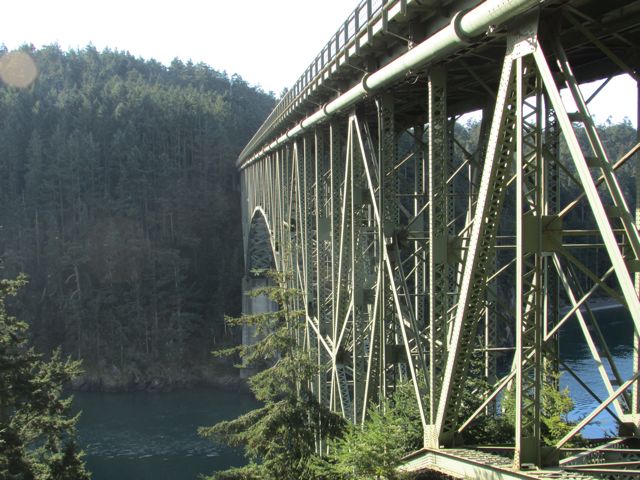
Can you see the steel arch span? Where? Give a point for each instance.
(428, 257)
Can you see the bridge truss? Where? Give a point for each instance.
(441, 256)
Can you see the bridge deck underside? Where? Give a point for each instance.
(472, 69)
(447, 258)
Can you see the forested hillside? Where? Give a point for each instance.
(119, 199)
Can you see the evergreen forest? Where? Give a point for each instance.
(119, 200)
(120, 220)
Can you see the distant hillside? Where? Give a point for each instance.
(119, 200)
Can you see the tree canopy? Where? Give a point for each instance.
(37, 433)
(119, 199)
(279, 438)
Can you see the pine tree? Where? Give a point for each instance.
(279, 438)
(373, 450)
(37, 434)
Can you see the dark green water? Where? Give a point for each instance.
(152, 436)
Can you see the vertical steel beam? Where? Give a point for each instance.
(389, 218)
(551, 205)
(299, 270)
(439, 214)
(373, 270)
(528, 153)
(322, 259)
(344, 295)
(308, 284)
(635, 408)
(336, 174)
(419, 226)
(360, 256)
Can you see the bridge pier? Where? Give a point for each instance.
(254, 305)
(259, 258)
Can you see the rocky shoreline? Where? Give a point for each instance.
(113, 379)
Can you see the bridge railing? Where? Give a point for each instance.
(360, 20)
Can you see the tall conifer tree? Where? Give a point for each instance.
(37, 433)
(280, 437)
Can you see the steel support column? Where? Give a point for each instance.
(441, 275)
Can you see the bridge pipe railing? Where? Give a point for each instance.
(464, 27)
(357, 22)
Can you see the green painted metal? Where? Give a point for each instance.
(422, 258)
(463, 27)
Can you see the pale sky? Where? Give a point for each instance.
(268, 42)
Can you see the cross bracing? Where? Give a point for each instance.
(421, 255)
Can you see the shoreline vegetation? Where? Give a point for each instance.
(120, 203)
(112, 379)
(115, 380)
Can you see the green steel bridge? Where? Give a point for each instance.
(419, 253)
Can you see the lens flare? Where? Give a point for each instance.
(18, 69)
